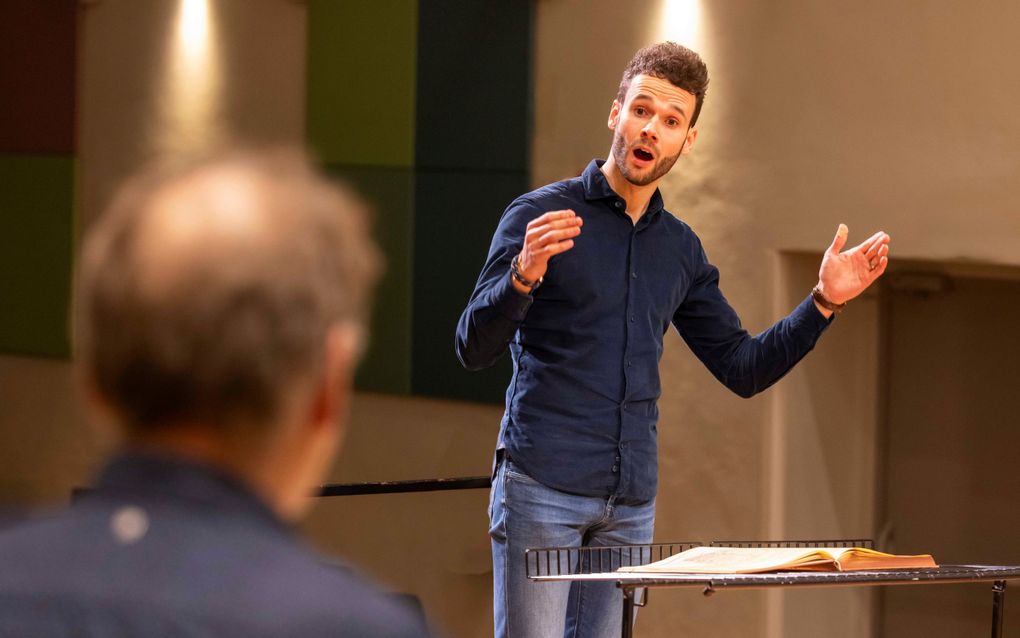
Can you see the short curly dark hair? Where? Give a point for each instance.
(673, 62)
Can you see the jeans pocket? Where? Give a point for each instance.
(496, 478)
(514, 473)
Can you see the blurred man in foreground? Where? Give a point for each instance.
(221, 309)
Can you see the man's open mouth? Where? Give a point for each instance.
(643, 155)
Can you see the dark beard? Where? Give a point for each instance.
(660, 168)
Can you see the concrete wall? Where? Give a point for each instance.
(433, 545)
(46, 447)
(883, 116)
(131, 79)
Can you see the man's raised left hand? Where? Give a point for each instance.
(844, 275)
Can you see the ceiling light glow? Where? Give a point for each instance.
(680, 21)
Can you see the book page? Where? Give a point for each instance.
(749, 560)
(721, 560)
(853, 558)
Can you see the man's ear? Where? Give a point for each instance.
(614, 115)
(101, 414)
(692, 134)
(332, 395)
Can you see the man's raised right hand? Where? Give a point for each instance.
(547, 235)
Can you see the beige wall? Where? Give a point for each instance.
(434, 545)
(951, 440)
(45, 446)
(251, 88)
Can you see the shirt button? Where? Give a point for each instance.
(616, 468)
(632, 318)
(617, 203)
(129, 524)
(633, 275)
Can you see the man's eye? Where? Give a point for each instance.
(672, 122)
(640, 110)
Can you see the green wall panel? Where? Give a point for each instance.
(457, 213)
(36, 229)
(386, 366)
(474, 85)
(472, 160)
(425, 108)
(361, 81)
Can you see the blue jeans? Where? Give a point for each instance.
(525, 514)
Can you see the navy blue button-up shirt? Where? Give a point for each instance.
(581, 407)
(169, 547)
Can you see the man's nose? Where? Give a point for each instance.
(650, 132)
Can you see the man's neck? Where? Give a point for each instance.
(637, 197)
(195, 443)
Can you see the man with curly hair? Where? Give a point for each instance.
(582, 280)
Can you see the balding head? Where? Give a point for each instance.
(207, 292)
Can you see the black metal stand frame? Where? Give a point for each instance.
(403, 487)
(600, 563)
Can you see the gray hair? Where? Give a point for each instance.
(207, 291)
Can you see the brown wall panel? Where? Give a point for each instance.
(37, 76)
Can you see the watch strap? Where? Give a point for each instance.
(515, 271)
(824, 302)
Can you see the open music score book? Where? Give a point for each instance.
(752, 560)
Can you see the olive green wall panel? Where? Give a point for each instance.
(425, 108)
(361, 81)
(386, 366)
(36, 229)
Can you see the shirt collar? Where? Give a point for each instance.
(135, 473)
(596, 187)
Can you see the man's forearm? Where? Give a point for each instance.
(489, 323)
